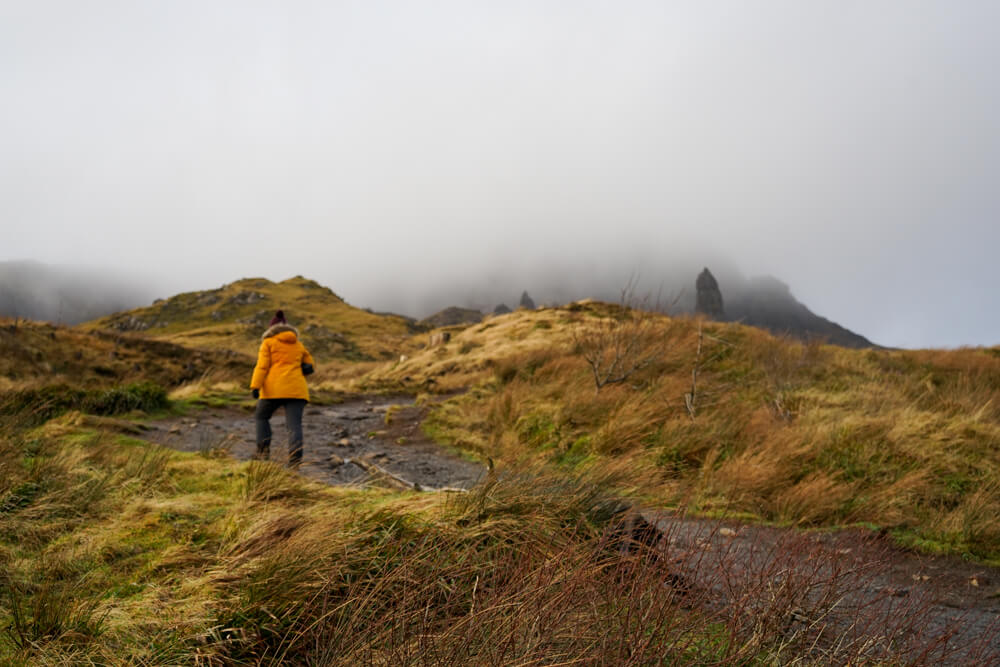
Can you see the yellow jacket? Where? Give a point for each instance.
(278, 373)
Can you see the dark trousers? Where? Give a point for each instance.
(293, 422)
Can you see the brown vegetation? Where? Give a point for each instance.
(38, 353)
(803, 434)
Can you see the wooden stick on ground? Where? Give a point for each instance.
(395, 480)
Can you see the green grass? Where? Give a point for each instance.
(38, 405)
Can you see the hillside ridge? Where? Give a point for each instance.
(234, 315)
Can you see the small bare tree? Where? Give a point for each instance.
(702, 394)
(625, 342)
(691, 398)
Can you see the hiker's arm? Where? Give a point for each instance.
(262, 367)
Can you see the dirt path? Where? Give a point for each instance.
(853, 584)
(342, 442)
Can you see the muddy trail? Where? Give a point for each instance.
(374, 440)
(832, 592)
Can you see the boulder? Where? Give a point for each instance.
(439, 338)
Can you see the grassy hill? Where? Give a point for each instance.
(721, 418)
(801, 434)
(235, 315)
(114, 550)
(33, 354)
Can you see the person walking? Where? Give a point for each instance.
(279, 382)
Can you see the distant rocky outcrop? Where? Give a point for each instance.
(452, 316)
(502, 309)
(527, 301)
(768, 303)
(708, 299)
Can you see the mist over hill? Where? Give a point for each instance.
(71, 295)
(761, 301)
(67, 294)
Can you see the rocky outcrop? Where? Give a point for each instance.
(246, 298)
(439, 338)
(501, 309)
(452, 316)
(130, 323)
(708, 300)
(768, 303)
(526, 301)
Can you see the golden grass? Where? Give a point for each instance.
(474, 351)
(115, 551)
(39, 353)
(805, 434)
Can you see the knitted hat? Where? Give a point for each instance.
(279, 318)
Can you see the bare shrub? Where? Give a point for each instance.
(624, 342)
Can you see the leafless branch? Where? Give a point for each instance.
(619, 346)
(691, 398)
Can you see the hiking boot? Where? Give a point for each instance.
(263, 453)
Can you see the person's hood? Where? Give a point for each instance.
(282, 329)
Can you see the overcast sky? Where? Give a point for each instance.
(850, 148)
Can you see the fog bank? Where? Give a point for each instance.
(411, 155)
